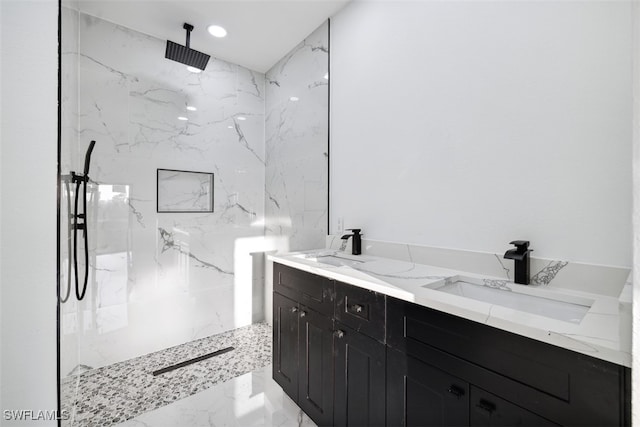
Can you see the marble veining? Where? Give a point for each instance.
(158, 279)
(544, 272)
(498, 284)
(136, 213)
(296, 143)
(115, 393)
(168, 243)
(603, 331)
(507, 271)
(250, 400)
(548, 273)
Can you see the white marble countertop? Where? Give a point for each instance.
(604, 331)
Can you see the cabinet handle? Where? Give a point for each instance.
(357, 308)
(339, 333)
(487, 406)
(303, 313)
(294, 309)
(456, 391)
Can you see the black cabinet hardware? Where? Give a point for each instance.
(486, 406)
(456, 391)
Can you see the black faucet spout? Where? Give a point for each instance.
(515, 255)
(521, 257)
(356, 241)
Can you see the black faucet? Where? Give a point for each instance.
(356, 242)
(521, 257)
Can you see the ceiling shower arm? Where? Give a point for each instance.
(189, 28)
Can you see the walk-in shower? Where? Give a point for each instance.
(154, 278)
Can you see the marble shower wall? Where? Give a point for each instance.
(161, 279)
(297, 111)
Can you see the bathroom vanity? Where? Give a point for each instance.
(366, 341)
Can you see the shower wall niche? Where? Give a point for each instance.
(157, 279)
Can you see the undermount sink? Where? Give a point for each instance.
(561, 307)
(334, 259)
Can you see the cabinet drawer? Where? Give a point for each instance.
(561, 385)
(361, 309)
(314, 291)
(487, 409)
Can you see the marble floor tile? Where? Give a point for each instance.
(250, 400)
(115, 393)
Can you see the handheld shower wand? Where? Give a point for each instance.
(87, 159)
(79, 223)
(82, 179)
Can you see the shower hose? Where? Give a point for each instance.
(78, 180)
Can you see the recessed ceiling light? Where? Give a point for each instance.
(230, 127)
(216, 31)
(194, 69)
(182, 118)
(242, 118)
(294, 99)
(191, 108)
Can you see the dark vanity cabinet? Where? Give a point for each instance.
(335, 373)
(504, 379)
(352, 357)
(359, 357)
(303, 341)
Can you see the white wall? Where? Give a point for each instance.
(469, 124)
(28, 191)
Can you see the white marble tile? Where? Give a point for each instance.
(160, 279)
(296, 130)
(252, 399)
(124, 390)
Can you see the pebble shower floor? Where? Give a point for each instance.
(113, 394)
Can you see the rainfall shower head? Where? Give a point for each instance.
(184, 54)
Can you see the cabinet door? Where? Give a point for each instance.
(285, 344)
(490, 410)
(421, 395)
(359, 379)
(315, 394)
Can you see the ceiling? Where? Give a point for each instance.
(260, 32)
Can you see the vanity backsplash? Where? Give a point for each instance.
(604, 280)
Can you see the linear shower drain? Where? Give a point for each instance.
(190, 361)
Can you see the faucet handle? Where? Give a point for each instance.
(521, 245)
(355, 230)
